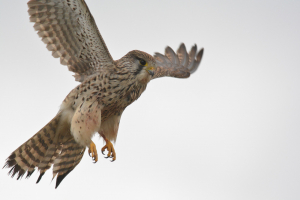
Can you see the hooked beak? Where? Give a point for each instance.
(150, 70)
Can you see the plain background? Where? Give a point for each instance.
(230, 131)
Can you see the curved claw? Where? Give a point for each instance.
(93, 152)
(110, 148)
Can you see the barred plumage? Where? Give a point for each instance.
(180, 65)
(107, 88)
(43, 150)
(70, 32)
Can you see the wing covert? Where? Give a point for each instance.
(70, 32)
(179, 65)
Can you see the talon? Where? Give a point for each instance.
(93, 152)
(110, 148)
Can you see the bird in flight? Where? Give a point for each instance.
(107, 87)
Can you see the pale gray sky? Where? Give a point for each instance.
(230, 131)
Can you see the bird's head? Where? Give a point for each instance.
(140, 64)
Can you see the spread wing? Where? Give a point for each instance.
(70, 32)
(179, 65)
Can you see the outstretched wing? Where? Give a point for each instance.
(179, 65)
(70, 32)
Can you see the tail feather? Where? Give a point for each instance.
(69, 158)
(52, 152)
(52, 145)
(29, 154)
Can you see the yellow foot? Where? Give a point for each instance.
(93, 151)
(111, 151)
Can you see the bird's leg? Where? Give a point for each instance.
(110, 148)
(93, 151)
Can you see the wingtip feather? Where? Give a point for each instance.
(197, 61)
(169, 52)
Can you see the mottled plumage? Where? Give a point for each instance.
(107, 88)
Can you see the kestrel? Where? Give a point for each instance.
(107, 87)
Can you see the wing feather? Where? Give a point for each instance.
(179, 65)
(192, 54)
(182, 55)
(172, 55)
(197, 61)
(70, 32)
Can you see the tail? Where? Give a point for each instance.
(52, 145)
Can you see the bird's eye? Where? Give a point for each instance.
(143, 62)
